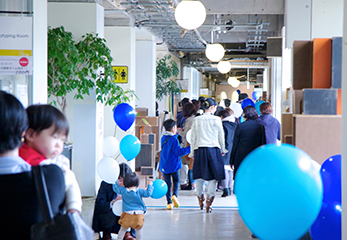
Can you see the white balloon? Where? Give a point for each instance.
(108, 170)
(111, 146)
(189, 136)
(117, 208)
(236, 107)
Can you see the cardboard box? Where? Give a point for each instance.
(143, 112)
(318, 135)
(302, 64)
(286, 126)
(321, 63)
(152, 121)
(320, 101)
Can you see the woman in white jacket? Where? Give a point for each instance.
(207, 147)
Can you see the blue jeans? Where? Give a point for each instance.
(176, 182)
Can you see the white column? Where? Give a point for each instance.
(39, 93)
(344, 126)
(145, 70)
(85, 116)
(276, 86)
(122, 42)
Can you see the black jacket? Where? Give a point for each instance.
(19, 205)
(248, 136)
(229, 130)
(103, 218)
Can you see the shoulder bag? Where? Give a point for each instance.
(69, 226)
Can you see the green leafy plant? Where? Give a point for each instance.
(80, 67)
(166, 68)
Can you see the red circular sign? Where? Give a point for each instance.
(23, 62)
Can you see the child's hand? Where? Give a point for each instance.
(150, 181)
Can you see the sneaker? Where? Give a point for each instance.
(175, 201)
(169, 207)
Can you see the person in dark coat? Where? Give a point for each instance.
(248, 136)
(271, 124)
(229, 127)
(104, 219)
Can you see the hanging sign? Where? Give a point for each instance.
(121, 74)
(16, 46)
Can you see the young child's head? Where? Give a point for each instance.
(123, 169)
(170, 126)
(48, 129)
(13, 122)
(131, 179)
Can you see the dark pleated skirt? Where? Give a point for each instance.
(208, 164)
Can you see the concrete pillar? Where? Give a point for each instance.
(122, 42)
(85, 116)
(344, 126)
(145, 70)
(276, 86)
(39, 88)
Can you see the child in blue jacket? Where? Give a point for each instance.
(133, 206)
(170, 161)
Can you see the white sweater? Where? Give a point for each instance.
(207, 131)
(73, 199)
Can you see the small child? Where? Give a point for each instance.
(44, 143)
(170, 161)
(133, 205)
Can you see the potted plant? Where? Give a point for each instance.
(165, 86)
(80, 67)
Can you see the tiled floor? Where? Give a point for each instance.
(188, 221)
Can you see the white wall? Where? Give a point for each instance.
(327, 18)
(84, 116)
(145, 70)
(40, 52)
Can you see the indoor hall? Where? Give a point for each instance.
(275, 48)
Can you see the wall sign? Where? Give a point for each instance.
(16, 46)
(121, 74)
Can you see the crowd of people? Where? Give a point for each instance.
(219, 142)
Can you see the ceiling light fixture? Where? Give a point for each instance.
(214, 52)
(233, 82)
(190, 14)
(224, 67)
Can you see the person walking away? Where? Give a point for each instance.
(248, 136)
(207, 147)
(272, 125)
(229, 127)
(170, 161)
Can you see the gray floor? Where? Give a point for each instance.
(188, 221)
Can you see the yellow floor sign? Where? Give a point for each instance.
(121, 74)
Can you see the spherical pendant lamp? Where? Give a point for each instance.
(224, 67)
(233, 82)
(214, 52)
(190, 14)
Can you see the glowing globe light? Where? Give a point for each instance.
(214, 52)
(190, 14)
(224, 67)
(233, 82)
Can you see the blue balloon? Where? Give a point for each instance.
(159, 188)
(247, 102)
(331, 177)
(279, 192)
(255, 95)
(328, 222)
(129, 147)
(257, 106)
(124, 115)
